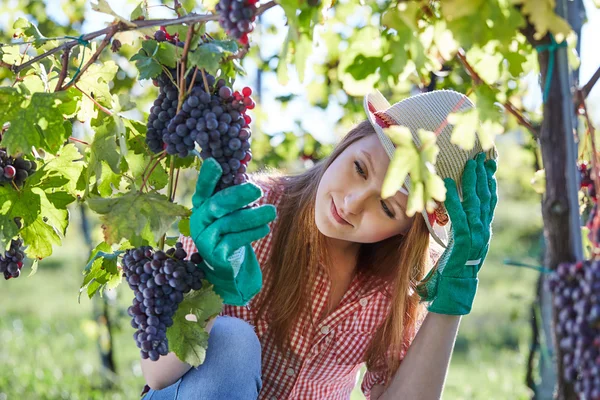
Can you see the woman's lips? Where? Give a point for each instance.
(337, 216)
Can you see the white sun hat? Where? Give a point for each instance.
(428, 111)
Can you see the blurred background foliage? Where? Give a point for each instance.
(50, 341)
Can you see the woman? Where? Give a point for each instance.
(338, 279)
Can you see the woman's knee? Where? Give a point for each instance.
(234, 337)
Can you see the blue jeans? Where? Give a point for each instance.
(231, 370)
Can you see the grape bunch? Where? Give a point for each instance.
(12, 260)
(237, 17)
(15, 169)
(162, 111)
(576, 296)
(586, 180)
(159, 280)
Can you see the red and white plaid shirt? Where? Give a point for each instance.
(327, 359)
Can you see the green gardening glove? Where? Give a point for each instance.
(452, 286)
(223, 231)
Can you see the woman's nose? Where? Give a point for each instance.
(354, 202)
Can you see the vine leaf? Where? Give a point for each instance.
(425, 185)
(188, 339)
(101, 271)
(154, 215)
(209, 55)
(39, 238)
(68, 164)
(103, 7)
(150, 57)
(24, 204)
(37, 120)
(96, 80)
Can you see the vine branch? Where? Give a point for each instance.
(93, 58)
(64, 69)
(587, 88)
(460, 54)
(133, 25)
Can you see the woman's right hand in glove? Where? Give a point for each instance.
(223, 231)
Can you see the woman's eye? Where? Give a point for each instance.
(387, 210)
(360, 171)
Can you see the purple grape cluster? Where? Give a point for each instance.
(237, 17)
(12, 260)
(576, 290)
(163, 110)
(16, 170)
(159, 280)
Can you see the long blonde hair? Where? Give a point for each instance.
(298, 246)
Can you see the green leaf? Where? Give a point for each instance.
(103, 7)
(11, 100)
(417, 162)
(303, 49)
(145, 60)
(56, 217)
(96, 80)
(140, 11)
(184, 227)
(152, 211)
(101, 270)
(24, 204)
(68, 164)
(166, 54)
(103, 148)
(39, 123)
(188, 339)
(363, 66)
(39, 238)
(209, 55)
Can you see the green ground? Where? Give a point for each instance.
(48, 347)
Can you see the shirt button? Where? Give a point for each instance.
(290, 372)
(325, 330)
(363, 302)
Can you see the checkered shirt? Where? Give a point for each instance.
(326, 360)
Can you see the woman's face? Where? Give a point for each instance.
(349, 206)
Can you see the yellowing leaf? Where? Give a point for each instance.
(103, 7)
(465, 128)
(541, 14)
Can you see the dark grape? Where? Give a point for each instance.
(15, 170)
(160, 36)
(237, 18)
(12, 260)
(573, 286)
(159, 281)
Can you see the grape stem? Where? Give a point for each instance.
(78, 141)
(129, 26)
(182, 65)
(150, 172)
(15, 186)
(206, 88)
